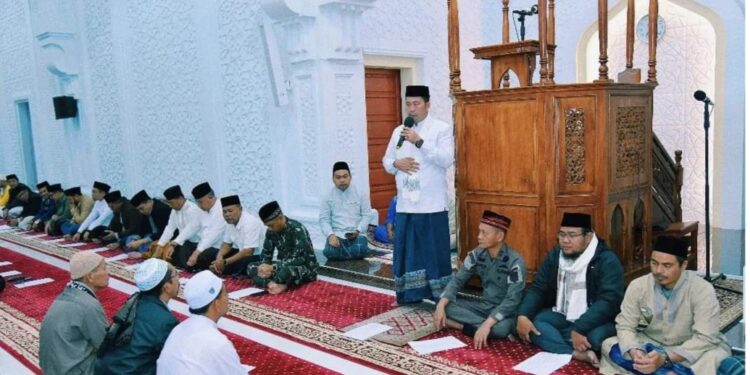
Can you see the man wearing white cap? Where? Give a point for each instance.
(158, 282)
(75, 324)
(196, 346)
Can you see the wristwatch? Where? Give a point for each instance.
(419, 143)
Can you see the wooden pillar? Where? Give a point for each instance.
(551, 38)
(543, 54)
(630, 35)
(603, 28)
(453, 47)
(653, 16)
(506, 38)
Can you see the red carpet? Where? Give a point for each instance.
(33, 303)
(313, 314)
(501, 356)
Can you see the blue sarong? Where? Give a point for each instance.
(627, 364)
(421, 256)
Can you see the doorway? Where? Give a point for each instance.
(383, 106)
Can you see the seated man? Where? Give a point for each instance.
(126, 221)
(62, 210)
(295, 258)
(344, 215)
(576, 294)
(156, 213)
(75, 324)
(158, 282)
(4, 193)
(196, 346)
(186, 218)
(385, 232)
(14, 207)
(98, 220)
(47, 209)
(669, 320)
(212, 226)
(31, 203)
(243, 235)
(80, 208)
(503, 275)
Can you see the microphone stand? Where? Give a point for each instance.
(706, 126)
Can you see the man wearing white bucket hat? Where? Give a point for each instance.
(196, 346)
(157, 282)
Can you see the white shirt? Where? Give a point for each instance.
(249, 233)
(212, 227)
(100, 215)
(196, 346)
(188, 220)
(425, 191)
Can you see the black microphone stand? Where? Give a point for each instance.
(706, 126)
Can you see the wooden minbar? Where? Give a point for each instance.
(536, 151)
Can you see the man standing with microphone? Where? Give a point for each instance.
(419, 154)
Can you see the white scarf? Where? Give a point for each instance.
(571, 283)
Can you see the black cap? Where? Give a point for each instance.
(54, 188)
(201, 190)
(173, 192)
(11, 177)
(73, 191)
(101, 186)
(139, 198)
(576, 220)
(230, 200)
(340, 165)
(422, 91)
(43, 184)
(113, 196)
(671, 245)
(269, 211)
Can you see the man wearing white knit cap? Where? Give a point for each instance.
(158, 282)
(196, 346)
(75, 324)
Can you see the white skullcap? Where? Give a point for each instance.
(202, 289)
(150, 273)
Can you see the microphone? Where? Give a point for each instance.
(408, 123)
(701, 97)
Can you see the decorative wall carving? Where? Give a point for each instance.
(575, 147)
(309, 124)
(104, 104)
(631, 140)
(247, 144)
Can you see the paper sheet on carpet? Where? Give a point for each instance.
(34, 235)
(54, 241)
(34, 282)
(436, 345)
(9, 273)
(99, 249)
(5, 264)
(248, 368)
(244, 293)
(367, 331)
(116, 257)
(543, 363)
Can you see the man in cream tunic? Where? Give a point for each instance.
(669, 320)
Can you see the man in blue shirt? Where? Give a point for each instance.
(344, 216)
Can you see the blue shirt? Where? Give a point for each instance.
(343, 212)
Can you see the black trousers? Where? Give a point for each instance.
(182, 253)
(236, 268)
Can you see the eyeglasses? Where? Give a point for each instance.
(568, 235)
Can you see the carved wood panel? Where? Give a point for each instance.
(631, 144)
(575, 147)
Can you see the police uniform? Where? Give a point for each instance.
(502, 290)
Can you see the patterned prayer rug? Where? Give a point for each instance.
(22, 310)
(410, 323)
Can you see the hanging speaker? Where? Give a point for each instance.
(65, 107)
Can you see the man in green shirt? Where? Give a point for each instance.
(295, 258)
(61, 213)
